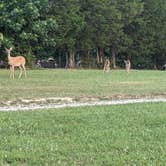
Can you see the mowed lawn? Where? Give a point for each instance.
(81, 83)
(105, 135)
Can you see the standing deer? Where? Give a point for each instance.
(18, 61)
(107, 65)
(127, 65)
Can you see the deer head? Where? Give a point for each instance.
(8, 51)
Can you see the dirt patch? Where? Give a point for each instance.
(82, 99)
(58, 102)
(37, 101)
(32, 107)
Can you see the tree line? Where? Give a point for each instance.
(85, 31)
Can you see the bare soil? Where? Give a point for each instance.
(61, 102)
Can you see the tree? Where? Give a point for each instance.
(70, 22)
(26, 25)
(121, 37)
(90, 29)
(153, 31)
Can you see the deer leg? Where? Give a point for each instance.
(23, 66)
(12, 72)
(20, 72)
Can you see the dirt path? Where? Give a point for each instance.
(39, 104)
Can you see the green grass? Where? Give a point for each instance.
(107, 135)
(78, 83)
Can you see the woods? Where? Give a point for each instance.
(89, 31)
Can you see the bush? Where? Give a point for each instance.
(30, 58)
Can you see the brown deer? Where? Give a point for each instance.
(127, 65)
(107, 65)
(18, 61)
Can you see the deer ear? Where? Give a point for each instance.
(11, 48)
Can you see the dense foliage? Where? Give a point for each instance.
(73, 31)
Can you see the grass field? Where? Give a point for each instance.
(80, 83)
(109, 135)
(101, 135)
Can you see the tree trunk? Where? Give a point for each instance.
(59, 59)
(100, 55)
(155, 62)
(113, 57)
(97, 54)
(71, 59)
(67, 61)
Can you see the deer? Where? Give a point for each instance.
(127, 65)
(107, 65)
(18, 61)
